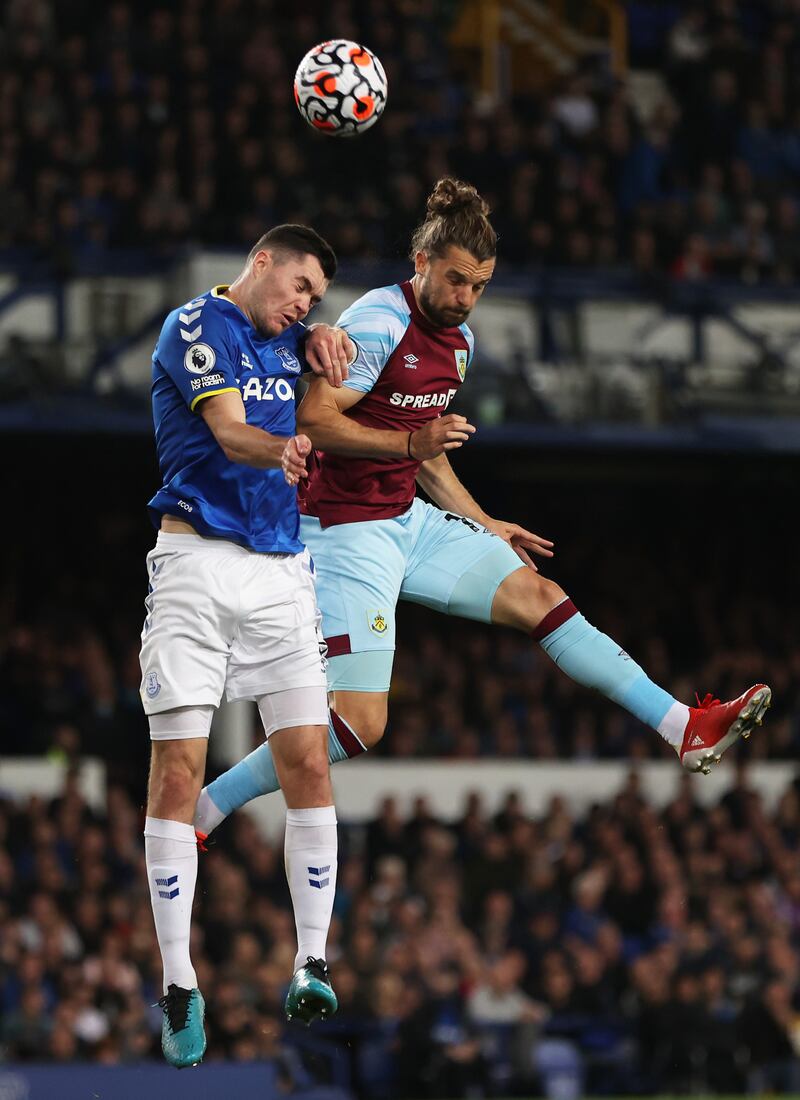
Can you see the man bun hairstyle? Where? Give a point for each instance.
(298, 240)
(456, 215)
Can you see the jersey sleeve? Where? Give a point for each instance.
(196, 351)
(376, 324)
(467, 331)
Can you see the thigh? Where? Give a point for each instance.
(358, 569)
(188, 629)
(456, 566)
(278, 641)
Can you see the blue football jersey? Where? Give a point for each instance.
(207, 347)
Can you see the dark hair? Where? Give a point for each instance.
(456, 215)
(301, 240)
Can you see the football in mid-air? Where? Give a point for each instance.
(340, 88)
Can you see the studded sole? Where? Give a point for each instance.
(751, 714)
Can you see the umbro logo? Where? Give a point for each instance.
(411, 361)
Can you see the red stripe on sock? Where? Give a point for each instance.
(339, 645)
(347, 739)
(554, 619)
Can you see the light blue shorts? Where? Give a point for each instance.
(426, 556)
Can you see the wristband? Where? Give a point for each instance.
(409, 445)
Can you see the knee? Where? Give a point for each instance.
(546, 594)
(175, 780)
(368, 725)
(524, 599)
(312, 768)
(373, 731)
(305, 779)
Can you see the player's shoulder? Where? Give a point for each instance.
(198, 319)
(385, 304)
(467, 333)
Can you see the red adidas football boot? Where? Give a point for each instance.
(714, 726)
(201, 839)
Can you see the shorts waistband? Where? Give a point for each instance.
(166, 539)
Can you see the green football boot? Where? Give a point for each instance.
(183, 1038)
(310, 996)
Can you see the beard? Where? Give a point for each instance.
(442, 318)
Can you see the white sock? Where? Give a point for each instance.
(673, 725)
(171, 855)
(310, 850)
(207, 815)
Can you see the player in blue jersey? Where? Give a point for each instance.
(373, 542)
(231, 604)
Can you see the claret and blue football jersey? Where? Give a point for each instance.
(208, 347)
(409, 371)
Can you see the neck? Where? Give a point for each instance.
(234, 294)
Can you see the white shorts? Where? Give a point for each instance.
(223, 618)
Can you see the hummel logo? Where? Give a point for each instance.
(168, 894)
(695, 741)
(318, 881)
(411, 361)
(246, 364)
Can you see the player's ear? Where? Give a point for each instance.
(262, 261)
(421, 263)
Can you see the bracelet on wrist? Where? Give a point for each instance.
(410, 455)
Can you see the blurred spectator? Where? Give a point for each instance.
(526, 998)
(157, 128)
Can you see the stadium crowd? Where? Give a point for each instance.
(626, 950)
(148, 125)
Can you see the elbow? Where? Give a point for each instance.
(311, 426)
(305, 422)
(228, 446)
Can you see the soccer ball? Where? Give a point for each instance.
(340, 88)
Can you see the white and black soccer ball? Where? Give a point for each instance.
(340, 88)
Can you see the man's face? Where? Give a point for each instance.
(449, 286)
(284, 286)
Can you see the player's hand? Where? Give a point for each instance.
(520, 540)
(293, 459)
(440, 435)
(329, 352)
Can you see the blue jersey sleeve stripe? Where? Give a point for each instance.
(468, 336)
(358, 384)
(362, 337)
(374, 312)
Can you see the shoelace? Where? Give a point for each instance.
(176, 1005)
(707, 703)
(318, 967)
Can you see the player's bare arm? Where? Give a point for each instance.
(438, 479)
(250, 446)
(322, 416)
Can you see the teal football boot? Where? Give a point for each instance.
(310, 996)
(183, 1038)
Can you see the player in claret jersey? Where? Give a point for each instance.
(374, 542)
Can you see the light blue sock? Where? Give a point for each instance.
(596, 661)
(256, 775)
